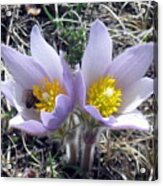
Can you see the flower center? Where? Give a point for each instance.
(104, 95)
(45, 93)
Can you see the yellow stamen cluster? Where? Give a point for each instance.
(104, 95)
(46, 93)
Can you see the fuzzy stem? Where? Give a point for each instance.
(71, 153)
(72, 147)
(88, 147)
(88, 157)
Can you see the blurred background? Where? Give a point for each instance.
(124, 154)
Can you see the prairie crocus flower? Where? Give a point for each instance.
(111, 90)
(41, 89)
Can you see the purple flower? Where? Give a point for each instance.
(41, 89)
(111, 90)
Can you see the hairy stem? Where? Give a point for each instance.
(88, 147)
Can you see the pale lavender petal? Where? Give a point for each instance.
(132, 64)
(29, 114)
(54, 119)
(6, 88)
(136, 93)
(96, 114)
(23, 69)
(14, 92)
(67, 78)
(80, 89)
(98, 53)
(45, 55)
(134, 120)
(31, 127)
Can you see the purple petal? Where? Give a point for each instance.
(136, 93)
(98, 53)
(80, 89)
(96, 114)
(23, 69)
(31, 127)
(134, 120)
(7, 89)
(67, 78)
(45, 55)
(14, 93)
(54, 119)
(29, 114)
(132, 64)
